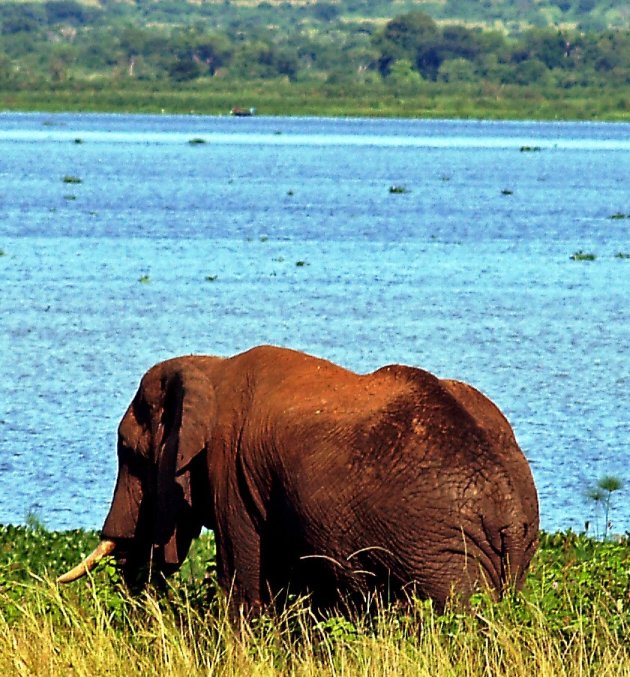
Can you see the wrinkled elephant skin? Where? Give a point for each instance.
(319, 480)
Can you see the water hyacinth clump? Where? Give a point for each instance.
(582, 256)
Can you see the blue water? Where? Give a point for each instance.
(465, 273)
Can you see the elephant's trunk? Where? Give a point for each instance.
(103, 549)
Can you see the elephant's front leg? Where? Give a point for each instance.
(238, 565)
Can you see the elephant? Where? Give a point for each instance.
(320, 481)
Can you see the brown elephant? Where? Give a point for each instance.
(319, 480)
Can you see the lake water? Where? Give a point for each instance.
(124, 243)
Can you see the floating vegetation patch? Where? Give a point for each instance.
(582, 256)
(197, 141)
(398, 189)
(68, 178)
(622, 255)
(69, 197)
(530, 149)
(507, 191)
(144, 279)
(618, 216)
(2, 252)
(301, 264)
(211, 278)
(78, 141)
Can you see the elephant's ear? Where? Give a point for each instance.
(188, 411)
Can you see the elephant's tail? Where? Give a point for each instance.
(513, 546)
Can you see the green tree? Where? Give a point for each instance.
(403, 76)
(183, 68)
(459, 41)
(61, 58)
(198, 53)
(285, 62)
(457, 70)
(18, 18)
(413, 37)
(612, 50)
(69, 12)
(531, 71)
(133, 43)
(326, 11)
(549, 46)
(213, 51)
(6, 70)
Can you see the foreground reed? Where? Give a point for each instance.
(572, 619)
(53, 635)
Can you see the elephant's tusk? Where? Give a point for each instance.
(103, 549)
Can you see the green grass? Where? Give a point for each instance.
(272, 97)
(573, 617)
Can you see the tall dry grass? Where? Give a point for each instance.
(61, 632)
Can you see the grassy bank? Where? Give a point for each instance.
(572, 618)
(432, 100)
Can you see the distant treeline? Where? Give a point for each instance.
(346, 42)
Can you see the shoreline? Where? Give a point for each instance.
(432, 101)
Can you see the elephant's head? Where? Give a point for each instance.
(162, 444)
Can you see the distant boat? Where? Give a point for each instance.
(242, 112)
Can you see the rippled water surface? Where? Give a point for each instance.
(129, 239)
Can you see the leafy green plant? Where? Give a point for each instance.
(398, 189)
(68, 178)
(338, 628)
(197, 141)
(582, 256)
